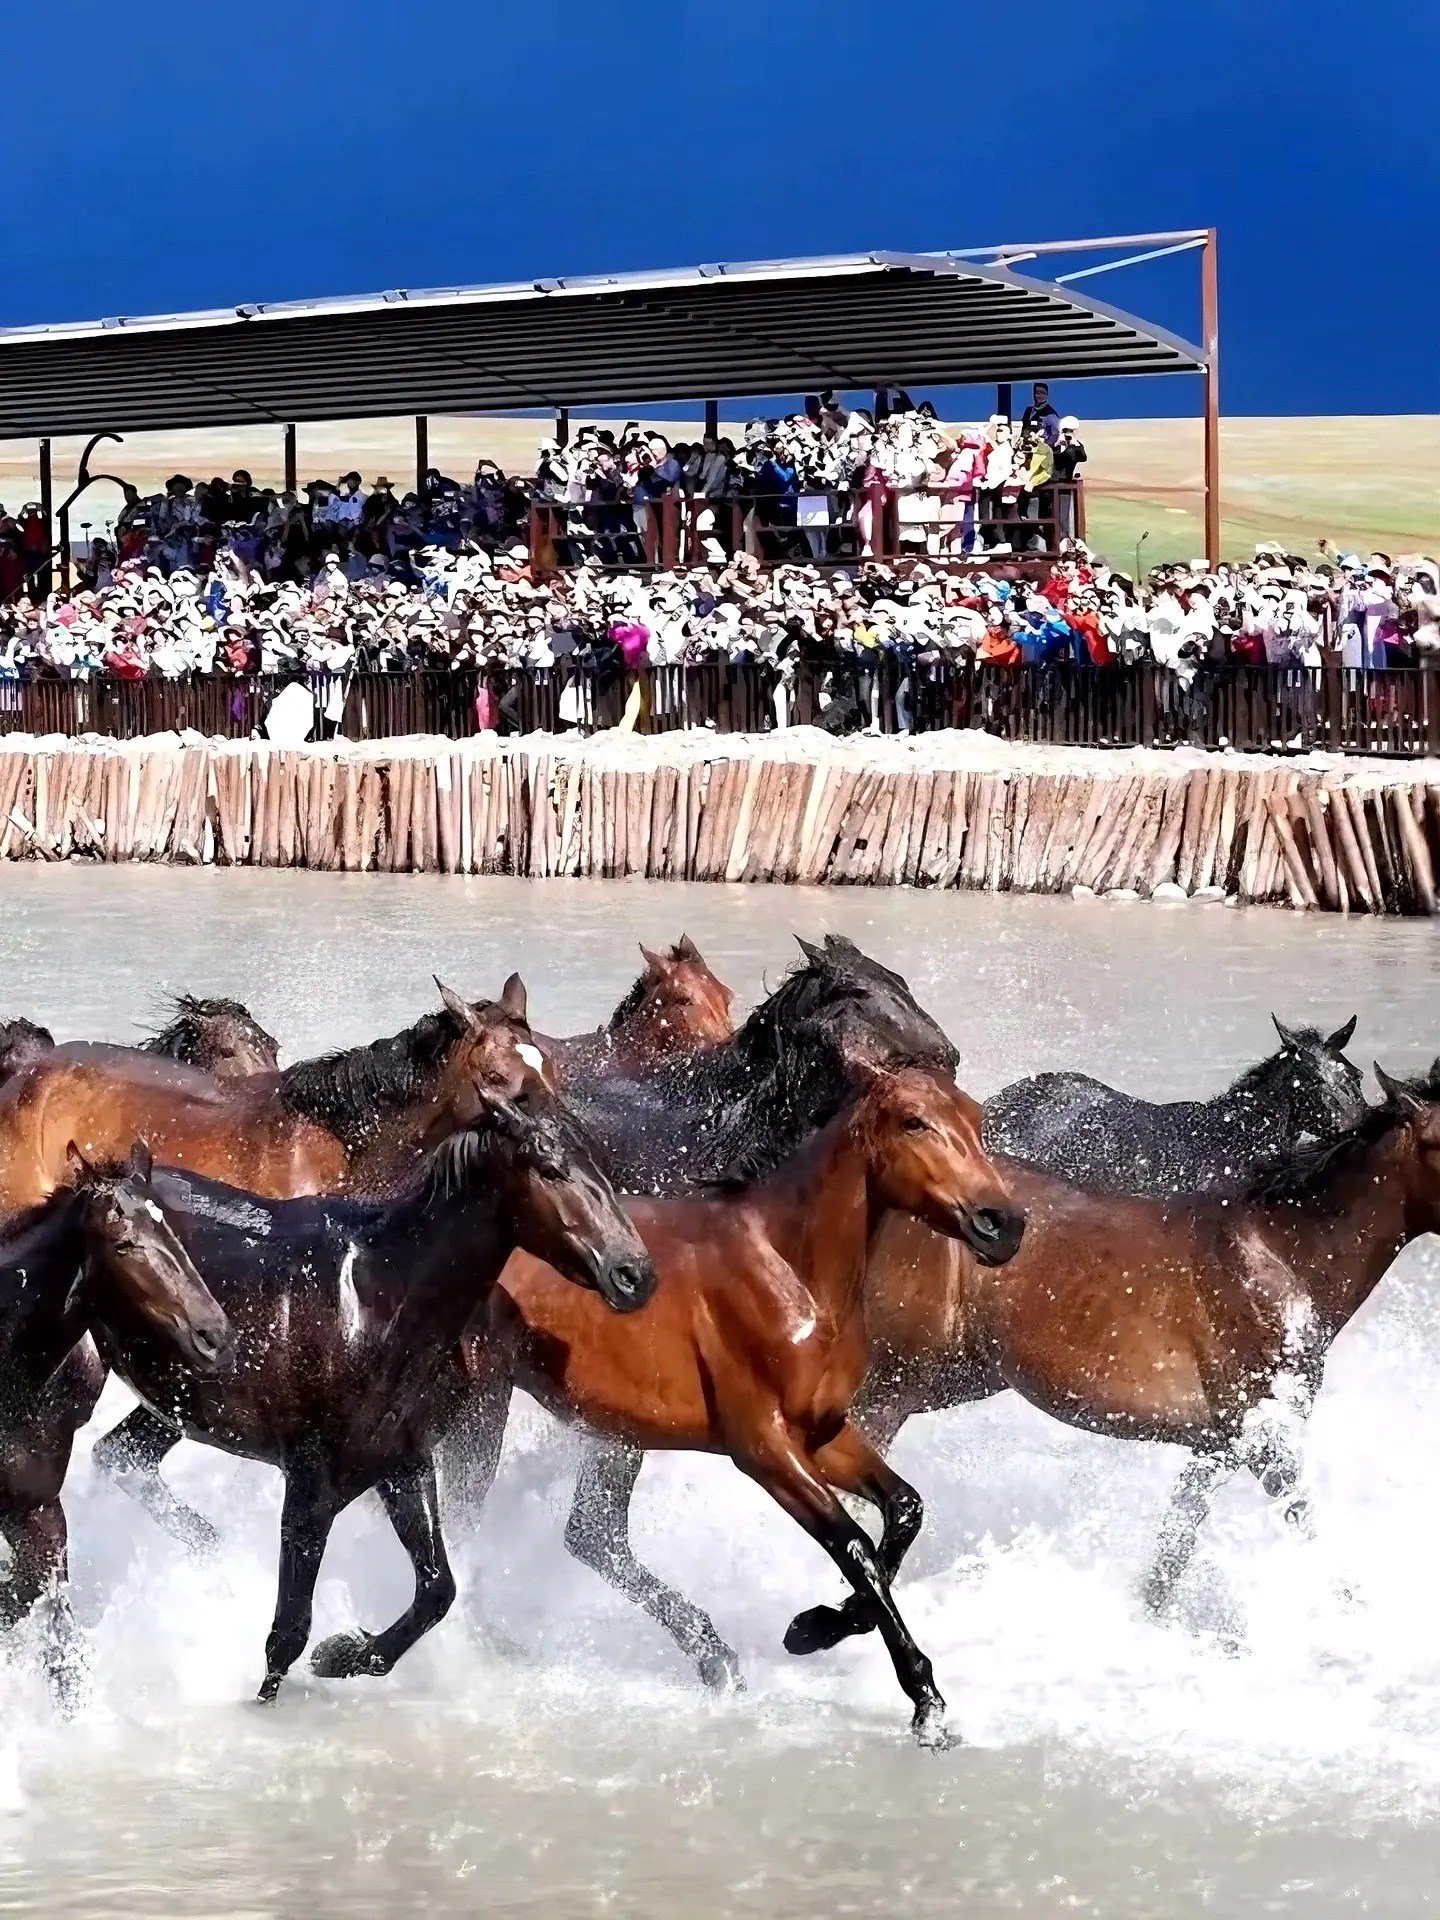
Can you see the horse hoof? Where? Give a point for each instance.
(345, 1656)
(930, 1729)
(816, 1629)
(269, 1690)
(720, 1671)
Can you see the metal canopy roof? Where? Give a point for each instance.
(779, 327)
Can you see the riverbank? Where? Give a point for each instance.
(952, 809)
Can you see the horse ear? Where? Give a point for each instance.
(512, 998)
(79, 1167)
(655, 962)
(1342, 1036)
(457, 1008)
(686, 949)
(815, 955)
(1400, 1095)
(141, 1163)
(1287, 1038)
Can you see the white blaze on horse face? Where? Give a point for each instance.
(349, 1301)
(532, 1056)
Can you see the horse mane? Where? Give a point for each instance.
(757, 1133)
(1307, 1172)
(351, 1091)
(180, 1040)
(630, 1005)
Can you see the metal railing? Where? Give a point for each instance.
(1393, 712)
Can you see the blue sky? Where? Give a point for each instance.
(213, 153)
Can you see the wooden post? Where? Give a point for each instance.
(422, 452)
(291, 470)
(1210, 334)
(44, 579)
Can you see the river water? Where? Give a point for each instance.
(1275, 1751)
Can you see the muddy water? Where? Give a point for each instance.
(544, 1752)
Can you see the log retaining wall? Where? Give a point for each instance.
(955, 809)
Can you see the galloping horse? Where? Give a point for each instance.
(355, 1121)
(221, 1037)
(1201, 1322)
(753, 1346)
(97, 1247)
(675, 1006)
(1087, 1132)
(373, 1299)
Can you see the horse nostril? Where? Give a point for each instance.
(631, 1283)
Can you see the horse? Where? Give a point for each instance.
(676, 1005)
(97, 1246)
(354, 1121)
(1092, 1134)
(753, 1346)
(738, 1107)
(1197, 1321)
(373, 1297)
(221, 1037)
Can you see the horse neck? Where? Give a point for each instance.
(40, 1318)
(450, 1253)
(821, 1213)
(1251, 1107)
(1346, 1250)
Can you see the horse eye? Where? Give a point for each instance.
(914, 1123)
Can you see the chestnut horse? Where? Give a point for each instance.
(98, 1247)
(675, 1006)
(221, 1037)
(355, 1121)
(373, 1299)
(754, 1346)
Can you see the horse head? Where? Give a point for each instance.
(1415, 1105)
(135, 1261)
(494, 1055)
(863, 1010)
(21, 1041)
(922, 1139)
(1323, 1089)
(679, 998)
(221, 1037)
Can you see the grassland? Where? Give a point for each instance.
(1364, 482)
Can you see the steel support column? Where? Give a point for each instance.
(562, 426)
(1005, 401)
(712, 419)
(1210, 340)
(422, 452)
(291, 470)
(44, 578)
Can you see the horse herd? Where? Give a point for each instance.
(346, 1267)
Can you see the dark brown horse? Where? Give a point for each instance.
(675, 1006)
(99, 1247)
(347, 1122)
(754, 1346)
(221, 1037)
(373, 1299)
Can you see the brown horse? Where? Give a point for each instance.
(98, 1247)
(753, 1346)
(221, 1037)
(352, 1122)
(675, 1006)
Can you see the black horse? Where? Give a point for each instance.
(373, 1299)
(737, 1109)
(1096, 1137)
(99, 1248)
(221, 1037)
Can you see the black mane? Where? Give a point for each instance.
(352, 1091)
(182, 1039)
(1305, 1174)
(630, 1004)
(1305, 1039)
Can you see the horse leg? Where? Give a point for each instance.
(38, 1540)
(793, 1480)
(852, 1465)
(412, 1501)
(311, 1504)
(130, 1455)
(598, 1534)
(470, 1452)
(1190, 1502)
